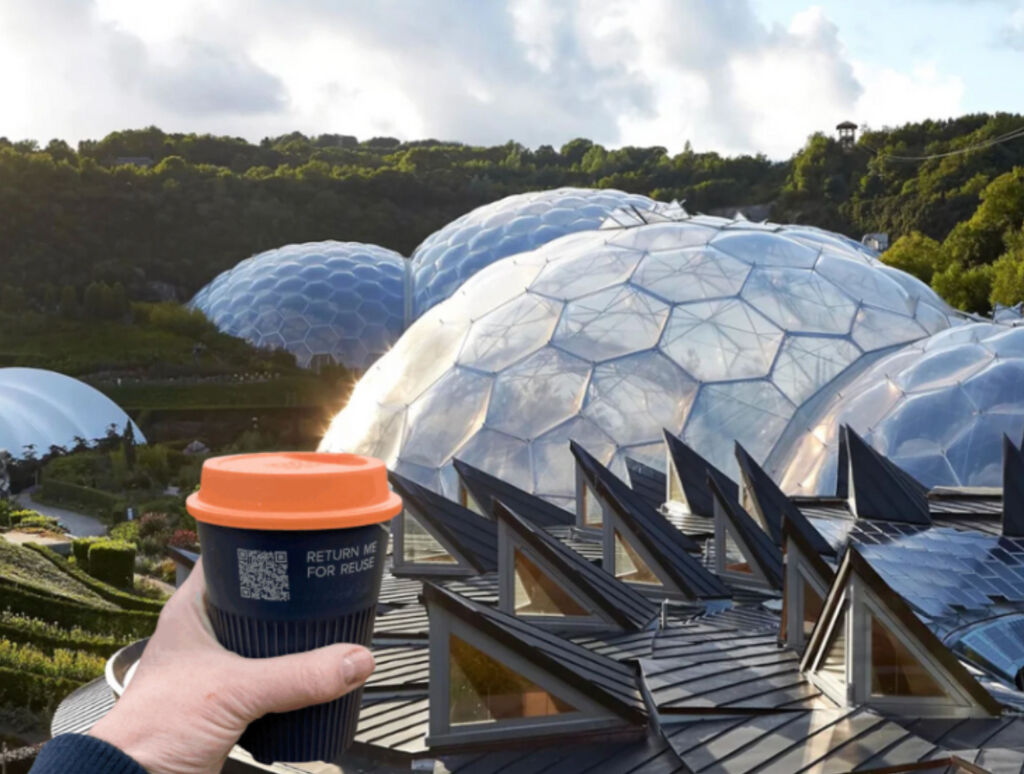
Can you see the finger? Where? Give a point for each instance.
(285, 683)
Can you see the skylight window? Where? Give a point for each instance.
(483, 690)
(630, 566)
(593, 513)
(466, 500)
(735, 560)
(537, 593)
(895, 671)
(419, 546)
(675, 486)
(812, 606)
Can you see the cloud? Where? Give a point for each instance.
(645, 72)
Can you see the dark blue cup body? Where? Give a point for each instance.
(272, 593)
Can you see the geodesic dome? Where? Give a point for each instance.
(345, 300)
(43, 408)
(508, 226)
(938, 408)
(715, 329)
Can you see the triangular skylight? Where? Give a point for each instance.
(630, 567)
(421, 547)
(891, 659)
(895, 671)
(483, 690)
(544, 580)
(466, 500)
(538, 593)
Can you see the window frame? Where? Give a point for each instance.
(508, 543)
(460, 568)
(590, 716)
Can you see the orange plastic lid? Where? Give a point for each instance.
(293, 491)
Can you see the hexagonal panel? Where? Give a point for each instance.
(510, 332)
(630, 397)
(723, 339)
(799, 300)
(538, 393)
(610, 323)
(690, 274)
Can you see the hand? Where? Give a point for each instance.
(191, 699)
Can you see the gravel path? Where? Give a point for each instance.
(79, 524)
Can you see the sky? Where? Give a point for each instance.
(733, 76)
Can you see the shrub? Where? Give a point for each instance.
(113, 562)
(80, 550)
(48, 636)
(153, 524)
(37, 521)
(184, 538)
(153, 460)
(104, 590)
(95, 502)
(126, 530)
(120, 623)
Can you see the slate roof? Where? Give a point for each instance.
(484, 487)
(652, 755)
(608, 682)
(400, 668)
(693, 471)
(810, 740)
(648, 482)
(475, 537)
(879, 489)
(659, 537)
(762, 551)
(618, 601)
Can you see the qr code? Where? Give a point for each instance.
(263, 575)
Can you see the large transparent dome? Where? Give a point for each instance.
(345, 300)
(937, 408)
(511, 225)
(715, 329)
(43, 408)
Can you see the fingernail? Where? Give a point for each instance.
(357, 666)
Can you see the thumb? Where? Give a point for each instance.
(285, 683)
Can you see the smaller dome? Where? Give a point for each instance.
(938, 408)
(508, 226)
(343, 300)
(44, 408)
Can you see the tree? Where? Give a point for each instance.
(968, 288)
(917, 254)
(1008, 272)
(92, 301)
(68, 302)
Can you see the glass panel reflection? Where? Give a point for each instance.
(735, 561)
(895, 671)
(593, 514)
(630, 566)
(419, 546)
(482, 690)
(834, 663)
(537, 593)
(812, 607)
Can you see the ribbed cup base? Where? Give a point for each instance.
(318, 733)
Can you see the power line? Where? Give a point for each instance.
(1015, 134)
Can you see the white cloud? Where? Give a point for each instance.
(644, 72)
(892, 97)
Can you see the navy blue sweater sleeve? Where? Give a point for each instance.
(80, 754)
